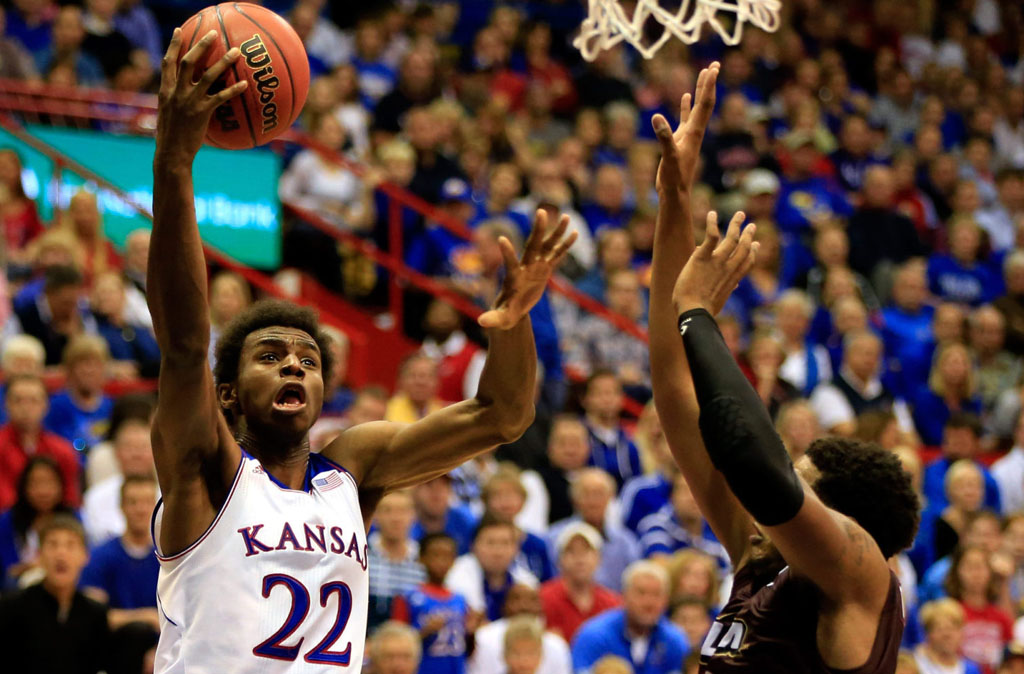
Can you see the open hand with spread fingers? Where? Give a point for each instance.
(185, 105)
(716, 267)
(681, 148)
(527, 277)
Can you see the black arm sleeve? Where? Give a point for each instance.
(736, 427)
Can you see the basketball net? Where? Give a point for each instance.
(607, 24)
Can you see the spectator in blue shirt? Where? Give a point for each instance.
(132, 346)
(807, 199)
(122, 572)
(503, 187)
(907, 324)
(376, 78)
(639, 632)
(608, 205)
(592, 491)
(647, 493)
(679, 525)
(950, 388)
(504, 495)
(485, 575)
(614, 253)
(66, 48)
(961, 439)
(440, 615)
(961, 275)
(435, 513)
(80, 412)
(854, 155)
(611, 448)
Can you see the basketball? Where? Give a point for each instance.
(273, 61)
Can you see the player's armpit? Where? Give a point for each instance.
(834, 552)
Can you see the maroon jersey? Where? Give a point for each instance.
(770, 628)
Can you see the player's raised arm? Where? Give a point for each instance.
(835, 552)
(385, 456)
(670, 374)
(188, 429)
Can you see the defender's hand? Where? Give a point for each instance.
(185, 106)
(526, 278)
(681, 148)
(716, 267)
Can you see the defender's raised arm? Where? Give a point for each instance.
(670, 375)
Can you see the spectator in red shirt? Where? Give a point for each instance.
(17, 212)
(985, 598)
(23, 437)
(459, 361)
(573, 597)
(85, 222)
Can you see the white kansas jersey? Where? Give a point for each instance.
(276, 585)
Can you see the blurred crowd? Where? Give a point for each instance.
(879, 147)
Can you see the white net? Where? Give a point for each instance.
(607, 24)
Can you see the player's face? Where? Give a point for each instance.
(280, 384)
(522, 656)
(645, 600)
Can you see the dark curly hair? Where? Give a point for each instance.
(867, 483)
(265, 314)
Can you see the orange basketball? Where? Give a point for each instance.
(273, 60)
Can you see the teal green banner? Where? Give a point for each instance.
(236, 191)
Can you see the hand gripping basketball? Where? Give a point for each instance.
(185, 105)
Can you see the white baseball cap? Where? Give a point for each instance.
(582, 529)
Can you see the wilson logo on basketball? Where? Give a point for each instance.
(258, 59)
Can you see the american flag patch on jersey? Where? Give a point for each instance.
(328, 482)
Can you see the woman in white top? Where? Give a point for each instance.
(317, 183)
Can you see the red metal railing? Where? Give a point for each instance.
(61, 162)
(135, 112)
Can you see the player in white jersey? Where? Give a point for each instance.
(263, 544)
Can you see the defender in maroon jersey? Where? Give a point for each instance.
(813, 592)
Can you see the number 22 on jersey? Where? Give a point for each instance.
(274, 646)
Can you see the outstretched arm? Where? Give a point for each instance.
(189, 432)
(817, 542)
(670, 374)
(384, 456)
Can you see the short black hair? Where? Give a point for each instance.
(965, 420)
(437, 537)
(61, 276)
(130, 407)
(266, 314)
(867, 483)
(490, 520)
